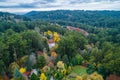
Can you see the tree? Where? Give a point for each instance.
(65, 59)
(79, 39)
(34, 40)
(96, 55)
(41, 62)
(67, 47)
(17, 46)
(34, 77)
(93, 38)
(4, 55)
(17, 73)
(79, 59)
(2, 65)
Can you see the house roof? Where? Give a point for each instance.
(113, 77)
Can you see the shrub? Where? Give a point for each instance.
(46, 69)
(77, 60)
(60, 65)
(91, 68)
(41, 61)
(34, 77)
(78, 78)
(69, 69)
(59, 75)
(22, 70)
(73, 61)
(43, 77)
(84, 77)
(65, 59)
(17, 73)
(96, 76)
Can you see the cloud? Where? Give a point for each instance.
(18, 6)
(28, 5)
(24, 4)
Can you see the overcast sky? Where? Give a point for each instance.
(43, 5)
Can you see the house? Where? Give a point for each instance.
(70, 28)
(51, 43)
(78, 30)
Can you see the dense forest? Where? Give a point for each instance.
(93, 18)
(39, 45)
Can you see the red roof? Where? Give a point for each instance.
(113, 77)
(77, 29)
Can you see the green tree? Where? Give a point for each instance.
(18, 75)
(67, 47)
(79, 39)
(41, 62)
(34, 40)
(96, 55)
(17, 46)
(2, 67)
(34, 77)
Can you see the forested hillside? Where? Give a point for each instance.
(53, 45)
(5, 16)
(93, 18)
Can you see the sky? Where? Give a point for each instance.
(19, 6)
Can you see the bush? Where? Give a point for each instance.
(96, 76)
(102, 71)
(34, 77)
(91, 68)
(17, 73)
(65, 59)
(59, 75)
(1, 66)
(77, 60)
(41, 61)
(73, 61)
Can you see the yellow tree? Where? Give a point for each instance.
(22, 70)
(56, 37)
(49, 32)
(43, 77)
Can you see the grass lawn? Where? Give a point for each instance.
(79, 70)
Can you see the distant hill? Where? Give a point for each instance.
(9, 17)
(93, 18)
(13, 21)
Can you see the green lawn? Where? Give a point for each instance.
(79, 70)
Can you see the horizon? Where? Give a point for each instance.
(24, 6)
(23, 13)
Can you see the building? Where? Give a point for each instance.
(78, 30)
